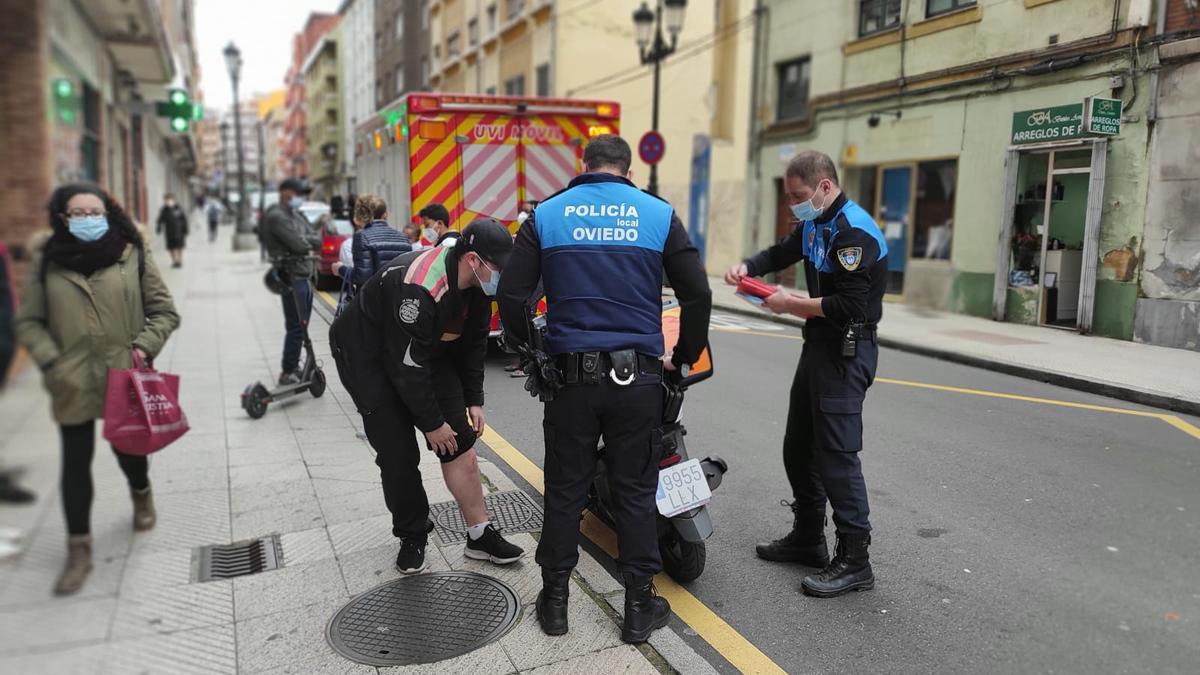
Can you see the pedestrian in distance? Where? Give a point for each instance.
(413, 234)
(173, 220)
(213, 212)
(845, 264)
(410, 352)
(375, 244)
(604, 332)
(10, 491)
(93, 296)
(435, 225)
(290, 243)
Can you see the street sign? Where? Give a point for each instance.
(1056, 123)
(698, 194)
(1102, 115)
(651, 147)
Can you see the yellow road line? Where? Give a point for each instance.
(1184, 426)
(724, 638)
(1018, 397)
(1174, 420)
(329, 299)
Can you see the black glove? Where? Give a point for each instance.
(542, 379)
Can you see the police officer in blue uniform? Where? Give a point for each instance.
(600, 247)
(845, 265)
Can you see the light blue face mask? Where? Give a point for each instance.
(805, 211)
(490, 286)
(87, 228)
(295, 202)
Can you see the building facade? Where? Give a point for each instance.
(402, 44)
(1168, 304)
(324, 137)
(295, 145)
(1002, 147)
(80, 81)
(583, 49)
(357, 74)
(271, 111)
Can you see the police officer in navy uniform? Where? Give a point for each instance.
(845, 265)
(600, 247)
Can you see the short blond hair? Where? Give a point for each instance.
(369, 207)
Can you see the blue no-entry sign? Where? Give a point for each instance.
(652, 147)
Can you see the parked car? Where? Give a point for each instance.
(333, 232)
(313, 212)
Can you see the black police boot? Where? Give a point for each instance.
(644, 610)
(805, 544)
(850, 569)
(552, 601)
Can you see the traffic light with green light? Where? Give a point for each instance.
(178, 107)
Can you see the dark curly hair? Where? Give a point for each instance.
(117, 218)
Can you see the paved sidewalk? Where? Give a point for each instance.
(1156, 376)
(299, 472)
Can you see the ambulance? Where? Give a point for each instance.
(476, 155)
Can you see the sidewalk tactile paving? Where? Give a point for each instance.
(511, 511)
(424, 619)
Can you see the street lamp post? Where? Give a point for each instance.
(224, 126)
(653, 48)
(244, 239)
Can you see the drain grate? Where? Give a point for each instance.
(239, 559)
(511, 511)
(424, 618)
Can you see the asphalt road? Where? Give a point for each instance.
(1010, 536)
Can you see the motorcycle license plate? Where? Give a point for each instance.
(681, 488)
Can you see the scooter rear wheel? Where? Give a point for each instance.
(317, 387)
(683, 560)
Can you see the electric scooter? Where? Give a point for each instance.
(683, 519)
(256, 397)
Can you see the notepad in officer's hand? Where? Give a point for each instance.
(754, 290)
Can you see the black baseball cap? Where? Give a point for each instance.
(488, 238)
(297, 185)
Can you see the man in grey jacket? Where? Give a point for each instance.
(290, 242)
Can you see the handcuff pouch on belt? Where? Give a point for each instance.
(624, 366)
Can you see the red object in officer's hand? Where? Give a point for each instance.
(755, 287)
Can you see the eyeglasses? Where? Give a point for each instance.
(85, 213)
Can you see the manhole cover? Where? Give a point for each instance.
(511, 511)
(424, 618)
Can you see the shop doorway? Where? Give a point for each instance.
(1051, 235)
(895, 214)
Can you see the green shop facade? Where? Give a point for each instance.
(1021, 202)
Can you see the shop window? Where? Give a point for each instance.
(515, 86)
(876, 16)
(934, 221)
(935, 7)
(543, 79)
(89, 145)
(793, 89)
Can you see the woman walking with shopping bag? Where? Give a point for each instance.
(93, 298)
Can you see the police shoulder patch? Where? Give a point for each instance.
(850, 257)
(812, 235)
(410, 309)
